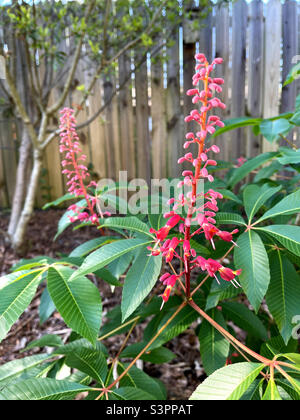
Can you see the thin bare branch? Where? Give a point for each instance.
(117, 89)
(128, 46)
(21, 109)
(73, 68)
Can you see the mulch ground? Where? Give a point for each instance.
(181, 376)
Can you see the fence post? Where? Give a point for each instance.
(239, 24)
(223, 50)
(271, 64)
(255, 76)
(175, 118)
(290, 51)
(127, 139)
(142, 121)
(158, 113)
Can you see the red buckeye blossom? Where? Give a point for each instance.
(202, 214)
(75, 171)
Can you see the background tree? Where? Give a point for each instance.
(101, 31)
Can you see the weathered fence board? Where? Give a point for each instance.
(158, 110)
(272, 55)
(142, 121)
(175, 135)
(290, 51)
(255, 72)
(126, 117)
(97, 132)
(223, 50)
(239, 25)
(142, 129)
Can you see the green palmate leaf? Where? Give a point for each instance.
(287, 235)
(228, 383)
(293, 74)
(200, 249)
(42, 389)
(34, 263)
(130, 394)
(235, 123)
(267, 171)
(48, 340)
(90, 246)
(106, 275)
(295, 383)
(249, 166)
(47, 306)
(250, 255)
(14, 277)
(245, 319)
(289, 392)
(114, 203)
(79, 378)
(255, 197)
(230, 219)
(157, 221)
(214, 348)
(229, 195)
(271, 393)
(64, 222)
(77, 300)
(179, 324)
(254, 392)
(15, 298)
(60, 200)
(15, 369)
(157, 356)
(293, 357)
(120, 266)
(289, 156)
(139, 281)
(91, 362)
(138, 379)
(296, 118)
(219, 292)
(276, 345)
(129, 223)
(283, 294)
(108, 253)
(76, 345)
(289, 205)
(271, 129)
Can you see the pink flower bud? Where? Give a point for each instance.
(192, 92)
(215, 149)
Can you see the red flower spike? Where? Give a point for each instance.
(69, 144)
(205, 214)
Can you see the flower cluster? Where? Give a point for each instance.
(75, 170)
(202, 214)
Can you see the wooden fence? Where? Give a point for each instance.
(142, 130)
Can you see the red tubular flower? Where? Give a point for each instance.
(169, 250)
(229, 275)
(205, 214)
(166, 294)
(77, 172)
(173, 221)
(169, 281)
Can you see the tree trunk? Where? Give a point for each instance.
(21, 183)
(20, 231)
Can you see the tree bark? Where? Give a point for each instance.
(27, 211)
(21, 183)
